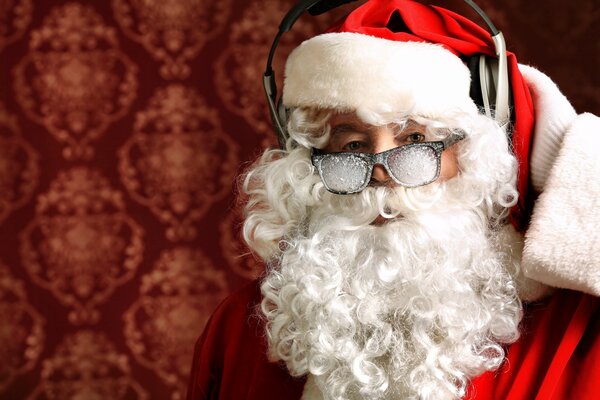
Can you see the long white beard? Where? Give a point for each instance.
(410, 309)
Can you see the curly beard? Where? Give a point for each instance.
(411, 309)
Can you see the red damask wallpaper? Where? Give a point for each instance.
(123, 125)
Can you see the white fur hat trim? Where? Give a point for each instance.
(354, 71)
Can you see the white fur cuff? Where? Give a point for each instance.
(562, 244)
(553, 117)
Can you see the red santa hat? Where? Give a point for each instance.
(400, 55)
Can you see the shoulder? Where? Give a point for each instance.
(232, 332)
(238, 306)
(233, 319)
(230, 358)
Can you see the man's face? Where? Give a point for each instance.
(350, 134)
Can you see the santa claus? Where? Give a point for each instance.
(391, 224)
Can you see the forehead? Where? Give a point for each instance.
(351, 118)
(345, 118)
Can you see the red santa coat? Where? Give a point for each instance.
(556, 358)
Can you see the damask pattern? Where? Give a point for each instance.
(19, 169)
(178, 160)
(21, 331)
(15, 16)
(81, 245)
(175, 300)
(172, 31)
(123, 126)
(75, 81)
(87, 366)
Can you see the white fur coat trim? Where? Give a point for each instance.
(353, 71)
(562, 244)
(553, 116)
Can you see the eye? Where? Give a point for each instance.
(354, 145)
(415, 137)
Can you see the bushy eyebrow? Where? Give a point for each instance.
(350, 127)
(413, 125)
(397, 129)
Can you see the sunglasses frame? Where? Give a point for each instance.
(438, 147)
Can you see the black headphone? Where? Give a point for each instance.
(490, 89)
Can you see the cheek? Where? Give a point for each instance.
(449, 168)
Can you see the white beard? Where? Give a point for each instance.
(412, 309)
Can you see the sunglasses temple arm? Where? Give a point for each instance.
(454, 138)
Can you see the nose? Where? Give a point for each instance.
(383, 140)
(380, 175)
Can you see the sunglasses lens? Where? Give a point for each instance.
(344, 173)
(414, 165)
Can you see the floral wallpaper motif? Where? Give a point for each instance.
(172, 31)
(15, 16)
(21, 332)
(175, 299)
(74, 80)
(86, 365)
(123, 126)
(81, 245)
(19, 166)
(178, 161)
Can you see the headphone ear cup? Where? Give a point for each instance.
(484, 81)
(483, 84)
(475, 90)
(488, 81)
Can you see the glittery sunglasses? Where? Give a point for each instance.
(409, 165)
